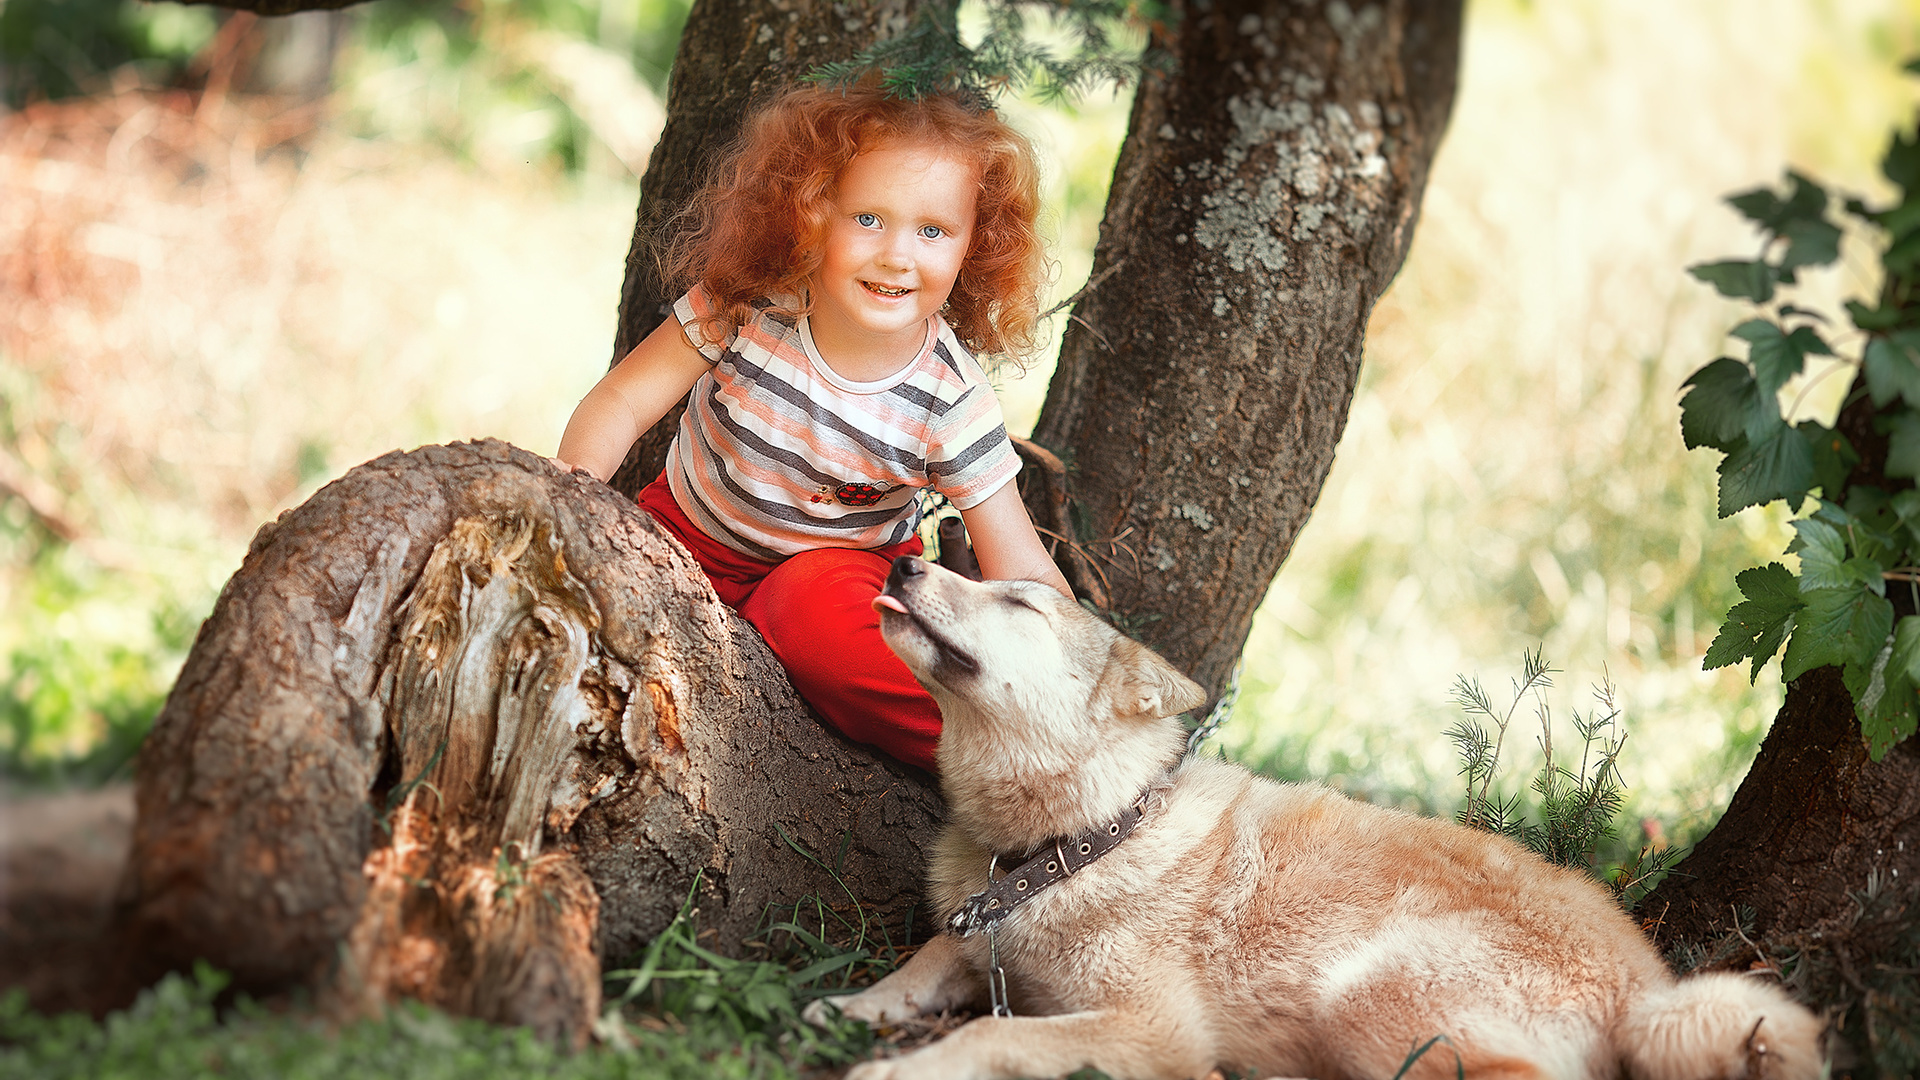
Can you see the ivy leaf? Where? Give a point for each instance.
(1776, 355)
(1838, 626)
(1891, 370)
(1756, 626)
(1903, 254)
(1822, 551)
(1833, 456)
(1871, 319)
(1737, 278)
(1725, 406)
(1810, 243)
(1906, 510)
(1777, 467)
(1761, 206)
(1800, 219)
(1903, 445)
(1905, 660)
(1902, 163)
(1883, 692)
(1806, 201)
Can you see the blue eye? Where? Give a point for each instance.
(932, 232)
(866, 221)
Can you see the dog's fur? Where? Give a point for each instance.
(1259, 928)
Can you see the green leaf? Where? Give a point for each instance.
(1822, 550)
(1810, 243)
(1902, 163)
(1891, 370)
(1906, 511)
(1873, 319)
(1756, 626)
(1737, 278)
(1807, 201)
(1778, 467)
(1838, 551)
(1761, 206)
(1903, 445)
(1905, 659)
(1838, 626)
(1883, 693)
(1903, 254)
(1776, 355)
(1833, 456)
(1725, 407)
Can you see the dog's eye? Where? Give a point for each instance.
(1017, 602)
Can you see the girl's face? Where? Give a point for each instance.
(903, 219)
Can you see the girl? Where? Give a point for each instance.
(848, 257)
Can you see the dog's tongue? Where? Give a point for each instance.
(883, 602)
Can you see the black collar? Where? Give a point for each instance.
(1057, 860)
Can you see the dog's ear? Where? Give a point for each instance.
(1146, 687)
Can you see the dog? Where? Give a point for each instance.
(1186, 916)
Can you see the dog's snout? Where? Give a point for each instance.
(905, 569)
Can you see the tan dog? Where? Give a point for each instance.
(1260, 928)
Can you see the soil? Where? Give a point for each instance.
(61, 854)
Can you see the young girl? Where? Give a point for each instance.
(853, 251)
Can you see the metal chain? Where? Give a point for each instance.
(996, 976)
(1221, 712)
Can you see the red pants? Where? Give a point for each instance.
(815, 611)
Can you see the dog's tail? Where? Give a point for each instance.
(1720, 1027)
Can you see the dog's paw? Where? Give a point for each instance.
(876, 1069)
(872, 1008)
(819, 1013)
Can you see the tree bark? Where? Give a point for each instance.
(1265, 196)
(461, 727)
(1815, 819)
(1812, 821)
(734, 54)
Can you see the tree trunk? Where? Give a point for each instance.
(461, 727)
(1814, 819)
(1814, 830)
(733, 55)
(1264, 198)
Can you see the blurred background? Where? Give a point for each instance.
(239, 256)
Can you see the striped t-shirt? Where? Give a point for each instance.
(777, 454)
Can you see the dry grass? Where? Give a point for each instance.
(214, 304)
(1512, 473)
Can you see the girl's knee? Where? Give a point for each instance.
(828, 583)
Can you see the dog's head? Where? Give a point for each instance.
(1036, 695)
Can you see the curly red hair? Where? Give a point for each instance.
(760, 225)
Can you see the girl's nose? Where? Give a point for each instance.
(897, 254)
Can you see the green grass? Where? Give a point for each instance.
(175, 1030)
(681, 1011)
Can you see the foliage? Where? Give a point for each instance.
(175, 1031)
(932, 55)
(1576, 807)
(685, 1011)
(1853, 602)
(57, 48)
(752, 1003)
(87, 650)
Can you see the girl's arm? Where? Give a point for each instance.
(1005, 544)
(630, 399)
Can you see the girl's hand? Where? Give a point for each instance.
(630, 399)
(1005, 544)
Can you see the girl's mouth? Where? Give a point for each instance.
(884, 290)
